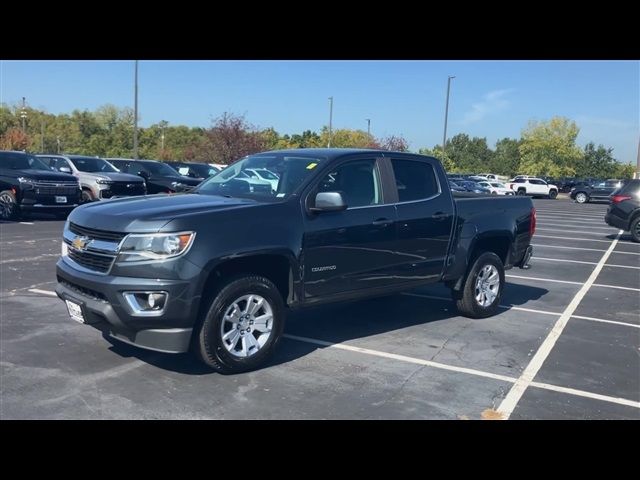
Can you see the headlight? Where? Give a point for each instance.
(26, 183)
(102, 181)
(154, 246)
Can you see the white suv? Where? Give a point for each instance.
(535, 187)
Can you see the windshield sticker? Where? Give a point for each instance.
(311, 166)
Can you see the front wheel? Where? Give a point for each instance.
(553, 194)
(582, 197)
(242, 326)
(522, 191)
(87, 197)
(9, 209)
(635, 230)
(480, 297)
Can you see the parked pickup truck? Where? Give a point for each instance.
(214, 270)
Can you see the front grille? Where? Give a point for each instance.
(124, 189)
(96, 234)
(56, 188)
(92, 261)
(87, 292)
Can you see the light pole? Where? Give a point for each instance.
(58, 142)
(23, 115)
(446, 114)
(42, 137)
(330, 119)
(135, 114)
(368, 126)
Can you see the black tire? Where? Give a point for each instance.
(581, 197)
(522, 191)
(9, 208)
(208, 343)
(87, 196)
(635, 229)
(466, 298)
(553, 194)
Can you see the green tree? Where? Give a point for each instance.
(447, 162)
(506, 159)
(549, 148)
(469, 154)
(597, 162)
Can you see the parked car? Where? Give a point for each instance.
(27, 185)
(196, 170)
(473, 187)
(535, 187)
(624, 209)
(456, 188)
(496, 188)
(98, 178)
(236, 178)
(264, 174)
(584, 193)
(215, 271)
(159, 177)
(218, 166)
(488, 176)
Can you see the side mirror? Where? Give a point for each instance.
(65, 170)
(144, 175)
(329, 202)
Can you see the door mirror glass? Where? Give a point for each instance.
(65, 169)
(329, 202)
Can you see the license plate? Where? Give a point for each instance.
(75, 311)
(61, 199)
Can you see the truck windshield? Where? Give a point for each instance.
(238, 179)
(22, 162)
(91, 165)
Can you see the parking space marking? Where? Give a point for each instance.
(570, 215)
(574, 283)
(581, 248)
(512, 398)
(574, 239)
(581, 261)
(564, 230)
(582, 393)
(26, 223)
(602, 320)
(29, 259)
(43, 292)
(574, 225)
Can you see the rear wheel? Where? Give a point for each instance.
(582, 197)
(482, 291)
(553, 194)
(522, 191)
(242, 326)
(9, 209)
(635, 229)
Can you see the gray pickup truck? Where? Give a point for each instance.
(98, 178)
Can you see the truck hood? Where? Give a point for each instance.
(149, 213)
(43, 175)
(116, 177)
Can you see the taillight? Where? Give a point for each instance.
(532, 223)
(619, 198)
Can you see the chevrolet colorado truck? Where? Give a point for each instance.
(215, 270)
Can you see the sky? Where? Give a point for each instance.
(493, 99)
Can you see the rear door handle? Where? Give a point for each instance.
(382, 222)
(439, 216)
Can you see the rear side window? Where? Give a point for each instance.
(518, 180)
(415, 180)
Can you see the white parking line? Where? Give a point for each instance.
(569, 215)
(512, 398)
(564, 230)
(602, 320)
(26, 223)
(580, 261)
(582, 393)
(553, 280)
(581, 248)
(43, 292)
(573, 239)
(575, 225)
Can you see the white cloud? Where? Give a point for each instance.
(604, 122)
(492, 102)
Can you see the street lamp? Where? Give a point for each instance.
(135, 113)
(368, 126)
(23, 115)
(330, 120)
(446, 114)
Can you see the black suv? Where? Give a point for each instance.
(160, 178)
(624, 209)
(193, 169)
(594, 190)
(28, 185)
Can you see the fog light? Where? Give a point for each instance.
(146, 303)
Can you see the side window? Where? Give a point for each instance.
(358, 181)
(135, 167)
(60, 163)
(415, 180)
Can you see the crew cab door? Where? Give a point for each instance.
(353, 249)
(425, 218)
(537, 187)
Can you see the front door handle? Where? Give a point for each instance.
(439, 216)
(382, 222)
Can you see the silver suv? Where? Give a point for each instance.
(98, 178)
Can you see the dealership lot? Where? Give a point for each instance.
(565, 346)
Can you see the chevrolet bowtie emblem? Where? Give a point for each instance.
(80, 243)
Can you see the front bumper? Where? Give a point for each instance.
(103, 307)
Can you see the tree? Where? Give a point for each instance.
(231, 137)
(394, 143)
(469, 154)
(506, 159)
(14, 139)
(549, 148)
(597, 162)
(436, 152)
(347, 138)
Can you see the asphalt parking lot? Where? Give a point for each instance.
(566, 345)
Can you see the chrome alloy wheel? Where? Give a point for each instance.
(7, 206)
(246, 325)
(487, 285)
